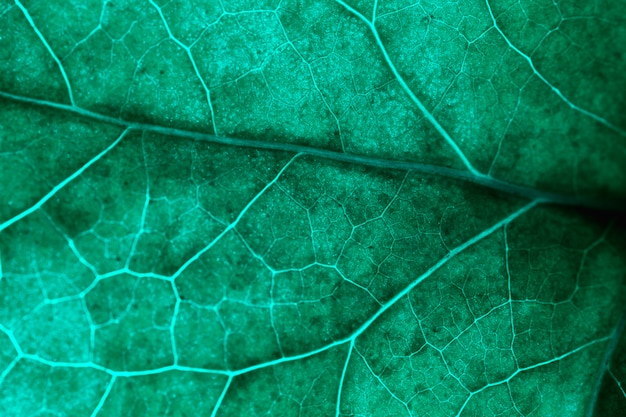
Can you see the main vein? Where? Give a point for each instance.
(483, 180)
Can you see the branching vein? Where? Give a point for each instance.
(49, 48)
(427, 114)
(62, 184)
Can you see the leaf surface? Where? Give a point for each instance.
(312, 208)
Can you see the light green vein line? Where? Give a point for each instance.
(427, 114)
(207, 91)
(617, 382)
(232, 225)
(374, 12)
(104, 396)
(219, 401)
(43, 40)
(560, 357)
(342, 379)
(8, 369)
(548, 83)
(173, 322)
(122, 374)
(18, 351)
(442, 262)
(62, 184)
(13, 339)
(528, 368)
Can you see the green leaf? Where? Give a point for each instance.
(312, 208)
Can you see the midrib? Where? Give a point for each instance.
(489, 182)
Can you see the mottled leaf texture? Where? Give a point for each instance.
(312, 208)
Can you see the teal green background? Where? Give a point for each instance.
(312, 208)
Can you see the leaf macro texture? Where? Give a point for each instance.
(312, 208)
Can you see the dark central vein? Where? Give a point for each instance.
(486, 181)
